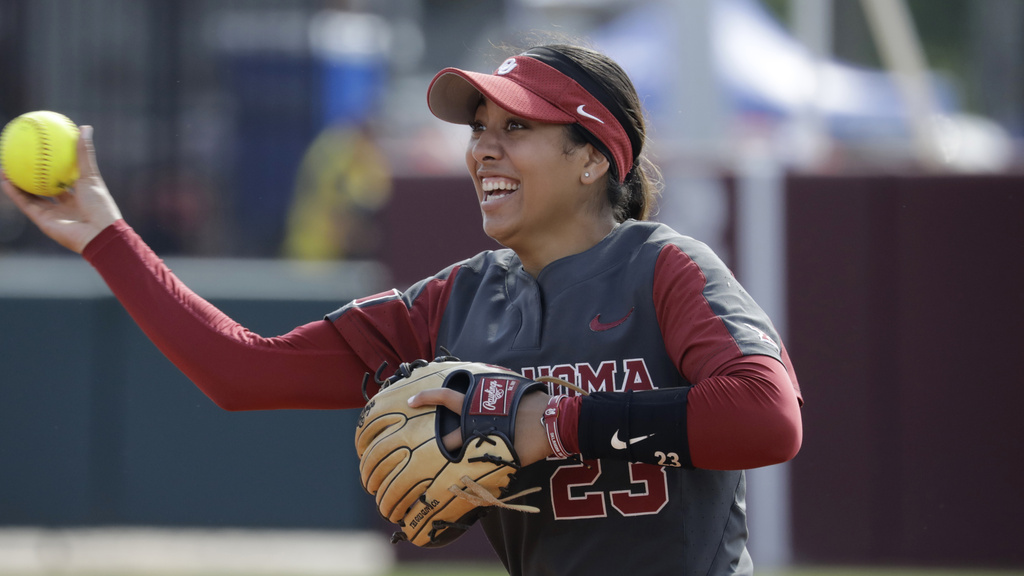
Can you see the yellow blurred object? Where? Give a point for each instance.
(343, 181)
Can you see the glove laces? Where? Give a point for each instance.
(477, 495)
(404, 371)
(563, 384)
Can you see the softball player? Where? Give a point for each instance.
(690, 384)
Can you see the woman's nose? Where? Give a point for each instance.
(485, 147)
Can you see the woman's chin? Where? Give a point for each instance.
(499, 231)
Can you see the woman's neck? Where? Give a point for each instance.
(537, 256)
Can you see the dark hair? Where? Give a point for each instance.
(635, 196)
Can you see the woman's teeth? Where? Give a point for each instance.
(496, 195)
(494, 189)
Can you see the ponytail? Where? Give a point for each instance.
(635, 197)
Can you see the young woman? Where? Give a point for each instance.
(689, 382)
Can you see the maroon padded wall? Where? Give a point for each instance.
(906, 299)
(431, 223)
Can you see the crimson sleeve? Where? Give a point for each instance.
(747, 415)
(310, 367)
(743, 407)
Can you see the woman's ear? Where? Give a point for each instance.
(595, 167)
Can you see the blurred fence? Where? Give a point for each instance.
(203, 109)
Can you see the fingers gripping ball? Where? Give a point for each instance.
(433, 494)
(38, 152)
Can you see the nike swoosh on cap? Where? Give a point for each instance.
(582, 112)
(620, 445)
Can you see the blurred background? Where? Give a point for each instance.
(858, 163)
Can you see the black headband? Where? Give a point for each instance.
(567, 66)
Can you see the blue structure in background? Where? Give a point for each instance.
(332, 70)
(351, 88)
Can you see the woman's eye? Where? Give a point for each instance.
(476, 127)
(515, 125)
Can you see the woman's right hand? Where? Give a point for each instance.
(75, 217)
(531, 440)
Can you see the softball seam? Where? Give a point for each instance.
(45, 153)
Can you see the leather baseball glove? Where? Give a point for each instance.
(435, 495)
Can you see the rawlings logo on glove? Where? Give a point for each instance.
(486, 400)
(435, 495)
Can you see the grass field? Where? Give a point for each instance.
(471, 570)
(443, 569)
(430, 569)
(138, 551)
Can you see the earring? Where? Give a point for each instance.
(586, 174)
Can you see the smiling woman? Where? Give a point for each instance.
(689, 383)
(535, 197)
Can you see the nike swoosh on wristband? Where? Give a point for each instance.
(597, 326)
(582, 112)
(620, 445)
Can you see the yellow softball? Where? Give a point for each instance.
(38, 152)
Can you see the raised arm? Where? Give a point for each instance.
(310, 367)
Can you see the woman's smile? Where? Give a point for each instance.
(497, 188)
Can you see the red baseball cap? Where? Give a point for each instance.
(539, 84)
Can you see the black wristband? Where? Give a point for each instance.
(647, 426)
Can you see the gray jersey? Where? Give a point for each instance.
(608, 319)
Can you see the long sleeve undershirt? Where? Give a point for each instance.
(734, 417)
(237, 369)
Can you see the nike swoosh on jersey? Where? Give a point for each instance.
(620, 445)
(597, 326)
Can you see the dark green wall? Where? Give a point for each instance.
(97, 427)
